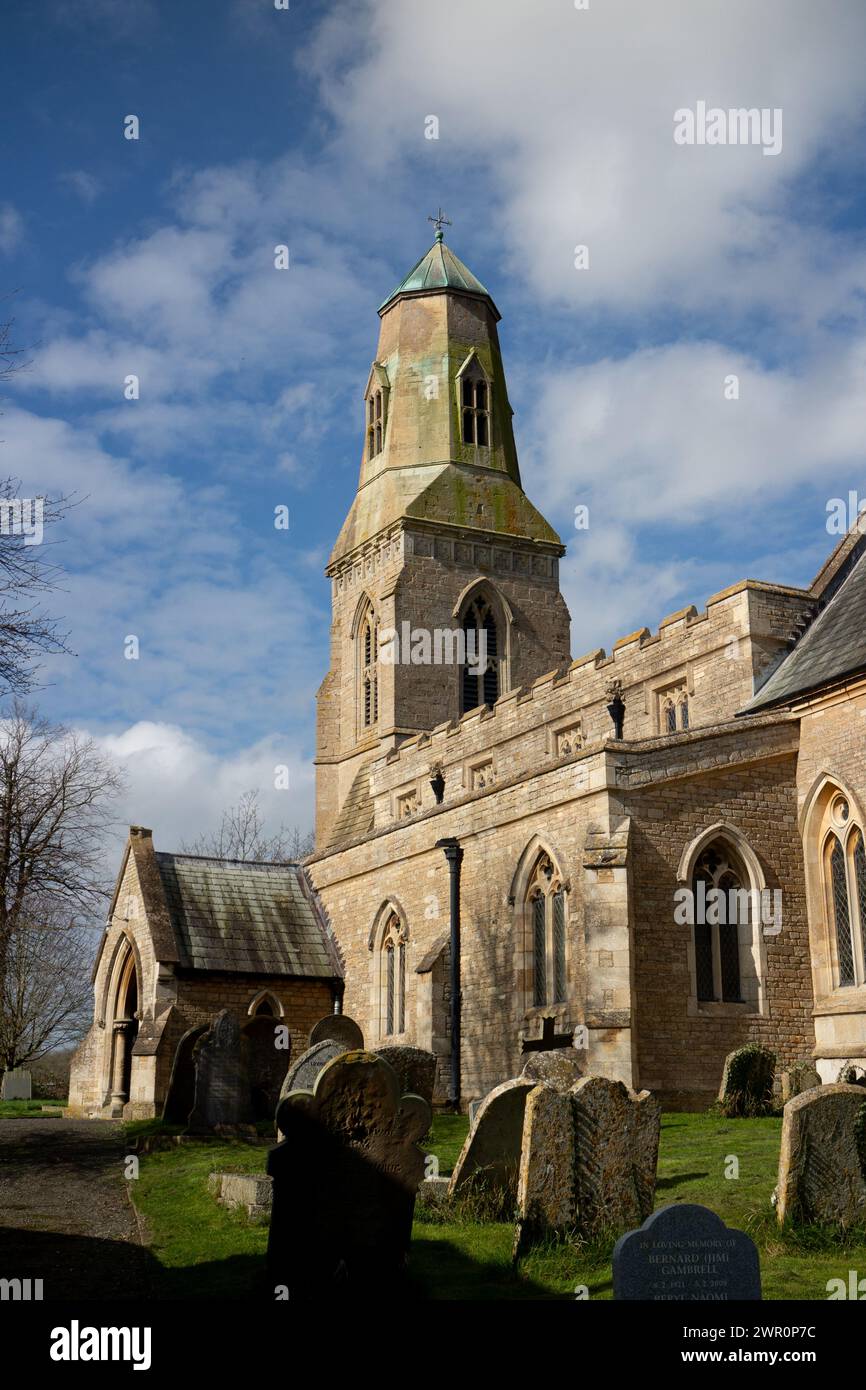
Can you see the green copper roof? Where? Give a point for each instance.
(439, 269)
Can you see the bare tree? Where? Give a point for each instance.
(12, 359)
(242, 835)
(46, 995)
(26, 569)
(55, 793)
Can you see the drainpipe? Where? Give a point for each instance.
(454, 855)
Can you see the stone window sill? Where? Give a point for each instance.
(719, 1009)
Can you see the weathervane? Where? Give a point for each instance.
(439, 221)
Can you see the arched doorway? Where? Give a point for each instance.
(124, 1033)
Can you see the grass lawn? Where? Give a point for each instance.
(27, 1109)
(204, 1250)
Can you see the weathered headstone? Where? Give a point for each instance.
(337, 1028)
(561, 1068)
(546, 1180)
(266, 1062)
(490, 1157)
(685, 1253)
(616, 1154)
(302, 1074)
(180, 1096)
(821, 1176)
(747, 1081)
(852, 1074)
(222, 1087)
(16, 1085)
(801, 1077)
(415, 1068)
(345, 1180)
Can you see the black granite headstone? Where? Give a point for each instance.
(685, 1253)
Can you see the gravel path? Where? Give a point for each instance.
(65, 1216)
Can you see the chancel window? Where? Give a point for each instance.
(547, 926)
(844, 861)
(392, 1017)
(479, 682)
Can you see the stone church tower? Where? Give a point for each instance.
(440, 538)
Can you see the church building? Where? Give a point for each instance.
(565, 808)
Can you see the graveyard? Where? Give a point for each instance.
(204, 1250)
(549, 1190)
(339, 1177)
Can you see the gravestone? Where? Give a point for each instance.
(801, 1077)
(337, 1028)
(415, 1068)
(684, 1254)
(546, 1180)
(821, 1175)
(16, 1085)
(852, 1074)
(490, 1157)
(616, 1147)
(747, 1081)
(222, 1087)
(560, 1068)
(302, 1074)
(180, 1096)
(266, 1062)
(345, 1179)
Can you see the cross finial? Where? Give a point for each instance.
(440, 221)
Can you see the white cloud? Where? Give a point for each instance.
(570, 114)
(84, 185)
(11, 228)
(652, 446)
(179, 787)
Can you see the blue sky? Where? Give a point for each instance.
(307, 127)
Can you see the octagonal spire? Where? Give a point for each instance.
(439, 270)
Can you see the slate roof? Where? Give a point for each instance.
(247, 918)
(439, 269)
(831, 649)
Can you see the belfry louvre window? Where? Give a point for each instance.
(369, 671)
(479, 680)
(375, 424)
(547, 925)
(475, 411)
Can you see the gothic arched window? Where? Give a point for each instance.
(547, 925)
(844, 863)
(479, 678)
(392, 979)
(475, 408)
(375, 423)
(368, 636)
(716, 923)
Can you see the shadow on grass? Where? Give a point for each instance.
(79, 1267)
(678, 1178)
(441, 1270)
